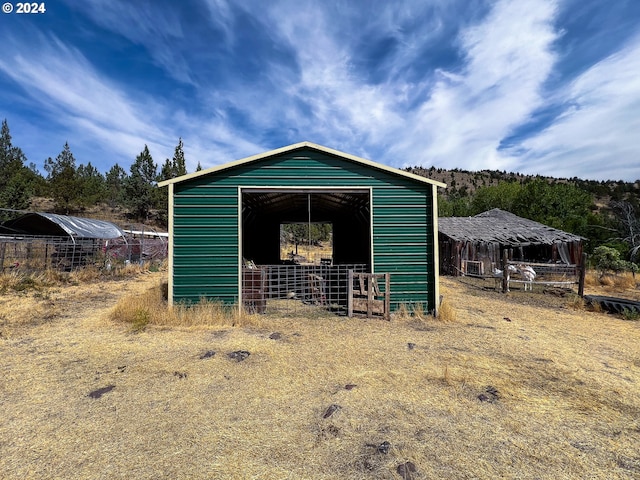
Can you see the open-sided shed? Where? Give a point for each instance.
(474, 245)
(382, 217)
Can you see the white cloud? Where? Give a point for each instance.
(599, 134)
(64, 85)
(508, 58)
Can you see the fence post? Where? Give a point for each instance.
(505, 271)
(387, 296)
(3, 247)
(583, 272)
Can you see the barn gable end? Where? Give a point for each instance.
(382, 217)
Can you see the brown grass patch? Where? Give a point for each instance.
(616, 282)
(150, 308)
(518, 383)
(447, 313)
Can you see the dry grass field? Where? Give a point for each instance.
(507, 386)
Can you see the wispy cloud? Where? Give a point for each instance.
(63, 83)
(157, 29)
(508, 57)
(449, 83)
(599, 132)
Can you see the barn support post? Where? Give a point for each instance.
(583, 272)
(505, 271)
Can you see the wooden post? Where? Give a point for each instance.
(3, 247)
(387, 296)
(583, 272)
(505, 271)
(350, 295)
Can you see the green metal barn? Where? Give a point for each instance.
(383, 219)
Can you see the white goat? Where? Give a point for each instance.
(498, 274)
(528, 274)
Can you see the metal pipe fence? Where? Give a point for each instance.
(290, 289)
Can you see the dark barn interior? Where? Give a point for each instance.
(348, 210)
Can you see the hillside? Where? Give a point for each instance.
(463, 183)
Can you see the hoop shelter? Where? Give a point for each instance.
(382, 218)
(51, 224)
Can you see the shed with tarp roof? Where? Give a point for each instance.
(38, 240)
(475, 245)
(54, 225)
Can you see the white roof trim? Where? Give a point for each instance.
(296, 146)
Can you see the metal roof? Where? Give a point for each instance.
(505, 228)
(297, 146)
(51, 224)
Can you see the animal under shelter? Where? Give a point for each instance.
(475, 245)
(225, 228)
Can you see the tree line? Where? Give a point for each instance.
(74, 186)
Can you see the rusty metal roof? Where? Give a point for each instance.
(505, 228)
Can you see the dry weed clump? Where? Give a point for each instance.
(151, 308)
(576, 302)
(613, 281)
(446, 313)
(19, 281)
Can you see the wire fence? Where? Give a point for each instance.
(291, 289)
(37, 253)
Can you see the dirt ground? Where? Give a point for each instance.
(515, 386)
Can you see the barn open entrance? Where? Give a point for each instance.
(270, 279)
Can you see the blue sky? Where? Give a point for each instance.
(548, 87)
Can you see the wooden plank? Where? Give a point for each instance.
(374, 285)
(363, 305)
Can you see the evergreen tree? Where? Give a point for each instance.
(63, 179)
(115, 182)
(179, 165)
(92, 184)
(173, 168)
(17, 182)
(141, 184)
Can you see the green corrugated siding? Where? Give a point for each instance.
(206, 233)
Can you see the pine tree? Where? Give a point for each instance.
(16, 180)
(173, 168)
(115, 183)
(179, 165)
(64, 185)
(140, 186)
(92, 184)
